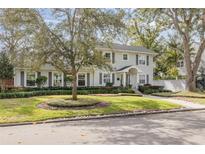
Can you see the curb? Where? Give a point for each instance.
(118, 115)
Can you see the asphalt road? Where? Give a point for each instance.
(169, 128)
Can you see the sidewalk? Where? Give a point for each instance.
(186, 104)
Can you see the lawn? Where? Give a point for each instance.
(25, 109)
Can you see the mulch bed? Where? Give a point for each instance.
(48, 107)
(119, 94)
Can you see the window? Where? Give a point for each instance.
(107, 78)
(141, 59)
(180, 63)
(57, 79)
(108, 56)
(81, 79)
(142, 79)
(30, 78)
(67, 80)
(125, 57)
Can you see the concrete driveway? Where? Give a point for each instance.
(169, 128)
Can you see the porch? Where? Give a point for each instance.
(128, 76)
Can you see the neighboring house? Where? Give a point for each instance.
(131, 65)
(179, 85)
(182, 68)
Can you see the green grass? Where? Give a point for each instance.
(24, 109)
(181, 94)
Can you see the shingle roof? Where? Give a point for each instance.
(126, 47)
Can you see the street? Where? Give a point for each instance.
(169, 128)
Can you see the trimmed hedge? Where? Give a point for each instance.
(149, 89)
(20, 89)
(64, 92)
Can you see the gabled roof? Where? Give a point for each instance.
(124, 68)
(127, 68)
(115, 46)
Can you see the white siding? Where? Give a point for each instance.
(94, 75)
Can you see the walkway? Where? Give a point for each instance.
(184, 103)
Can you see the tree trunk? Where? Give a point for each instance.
(191, 83)
(2, 85)
(74, 85)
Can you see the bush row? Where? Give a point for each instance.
(63, 92)
(149, 89)
(20, 89)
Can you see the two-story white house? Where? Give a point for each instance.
(131, 65)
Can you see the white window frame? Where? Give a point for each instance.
(141, 59)
(68, 83)
(61, 78)
(180, 64)
(106, 78)
(110, 58)
(142, 77)
(27, 78)
(123, 57)
(81, 79)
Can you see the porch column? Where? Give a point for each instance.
(124, 79)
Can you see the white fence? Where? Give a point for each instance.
(173, 85)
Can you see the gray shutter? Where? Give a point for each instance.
(147, 79)
(38, 74)
(100, 78)
(127, 79)
(88, 79)
(50, 79)
(147, 60)
(137, 59)
(113, 57)
(113, 78)
(64, 78)
(22, 78)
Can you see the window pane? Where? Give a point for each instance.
(142, 79)
(81, 79)
(107, 56)
(30, 79)
(68, 80)
(57, 79)
(106, 78)
(142, 59)
(124, 56)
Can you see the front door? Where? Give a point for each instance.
(133, 80)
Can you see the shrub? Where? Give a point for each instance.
(41, 80)
(20, 89)
(109, 84)
(81, 102)
(149, 89)
(103, 90)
